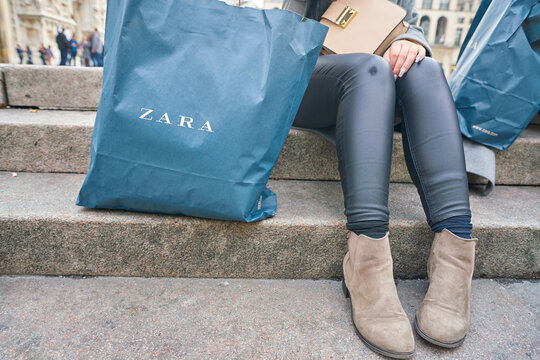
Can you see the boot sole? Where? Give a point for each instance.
(371, 346)
(436, 342)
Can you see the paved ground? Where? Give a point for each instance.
(168, 318)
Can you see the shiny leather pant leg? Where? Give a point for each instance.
(356, 93)
(432, 141)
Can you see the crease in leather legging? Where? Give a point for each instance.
(358, 95)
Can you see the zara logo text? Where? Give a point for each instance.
(183, 121)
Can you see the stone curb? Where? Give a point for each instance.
(59, 141)
(43, 232)
(54, 87)
(3, 96)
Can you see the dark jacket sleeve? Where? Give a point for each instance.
(67, 43)
(62, 41)
(298, 6)
(317, 8)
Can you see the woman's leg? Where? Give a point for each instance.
(356, 92)
(433, 145)
(434, 154)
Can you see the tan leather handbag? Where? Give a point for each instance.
(365, 26)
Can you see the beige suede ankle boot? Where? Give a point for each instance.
(443, 317)
(377, 314)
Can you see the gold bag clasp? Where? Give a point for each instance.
(346, 16)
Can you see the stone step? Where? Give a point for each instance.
(171, 318)
(59, 141)
(43, 232)
(55, 87)
(3, 96)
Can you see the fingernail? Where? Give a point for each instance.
(402, 71)
(395, 76)
(417, 59)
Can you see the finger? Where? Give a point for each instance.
(394, 53)
(421, 54)
(408, 62)
(400, 59)
(405, 49)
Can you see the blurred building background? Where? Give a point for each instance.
(272, 4)
(33, 22)
(445, 24)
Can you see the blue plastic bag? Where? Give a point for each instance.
(198, 99)
(496, 82)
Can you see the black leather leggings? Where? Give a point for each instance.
(357, 93)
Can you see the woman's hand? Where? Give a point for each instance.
(401, 55)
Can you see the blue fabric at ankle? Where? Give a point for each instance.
(373, 228)
(458, 225)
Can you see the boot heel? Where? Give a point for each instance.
(345, 290)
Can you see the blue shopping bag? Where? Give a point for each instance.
(198, 98)
(496, 82)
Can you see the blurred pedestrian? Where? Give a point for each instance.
(20, 52)
(63, 46)
(86, 52)
(97, 49)
(43, 54)
(29, 55)
(73, 53)
(50, 55)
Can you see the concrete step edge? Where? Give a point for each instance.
(59, 141)
(44, 232)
